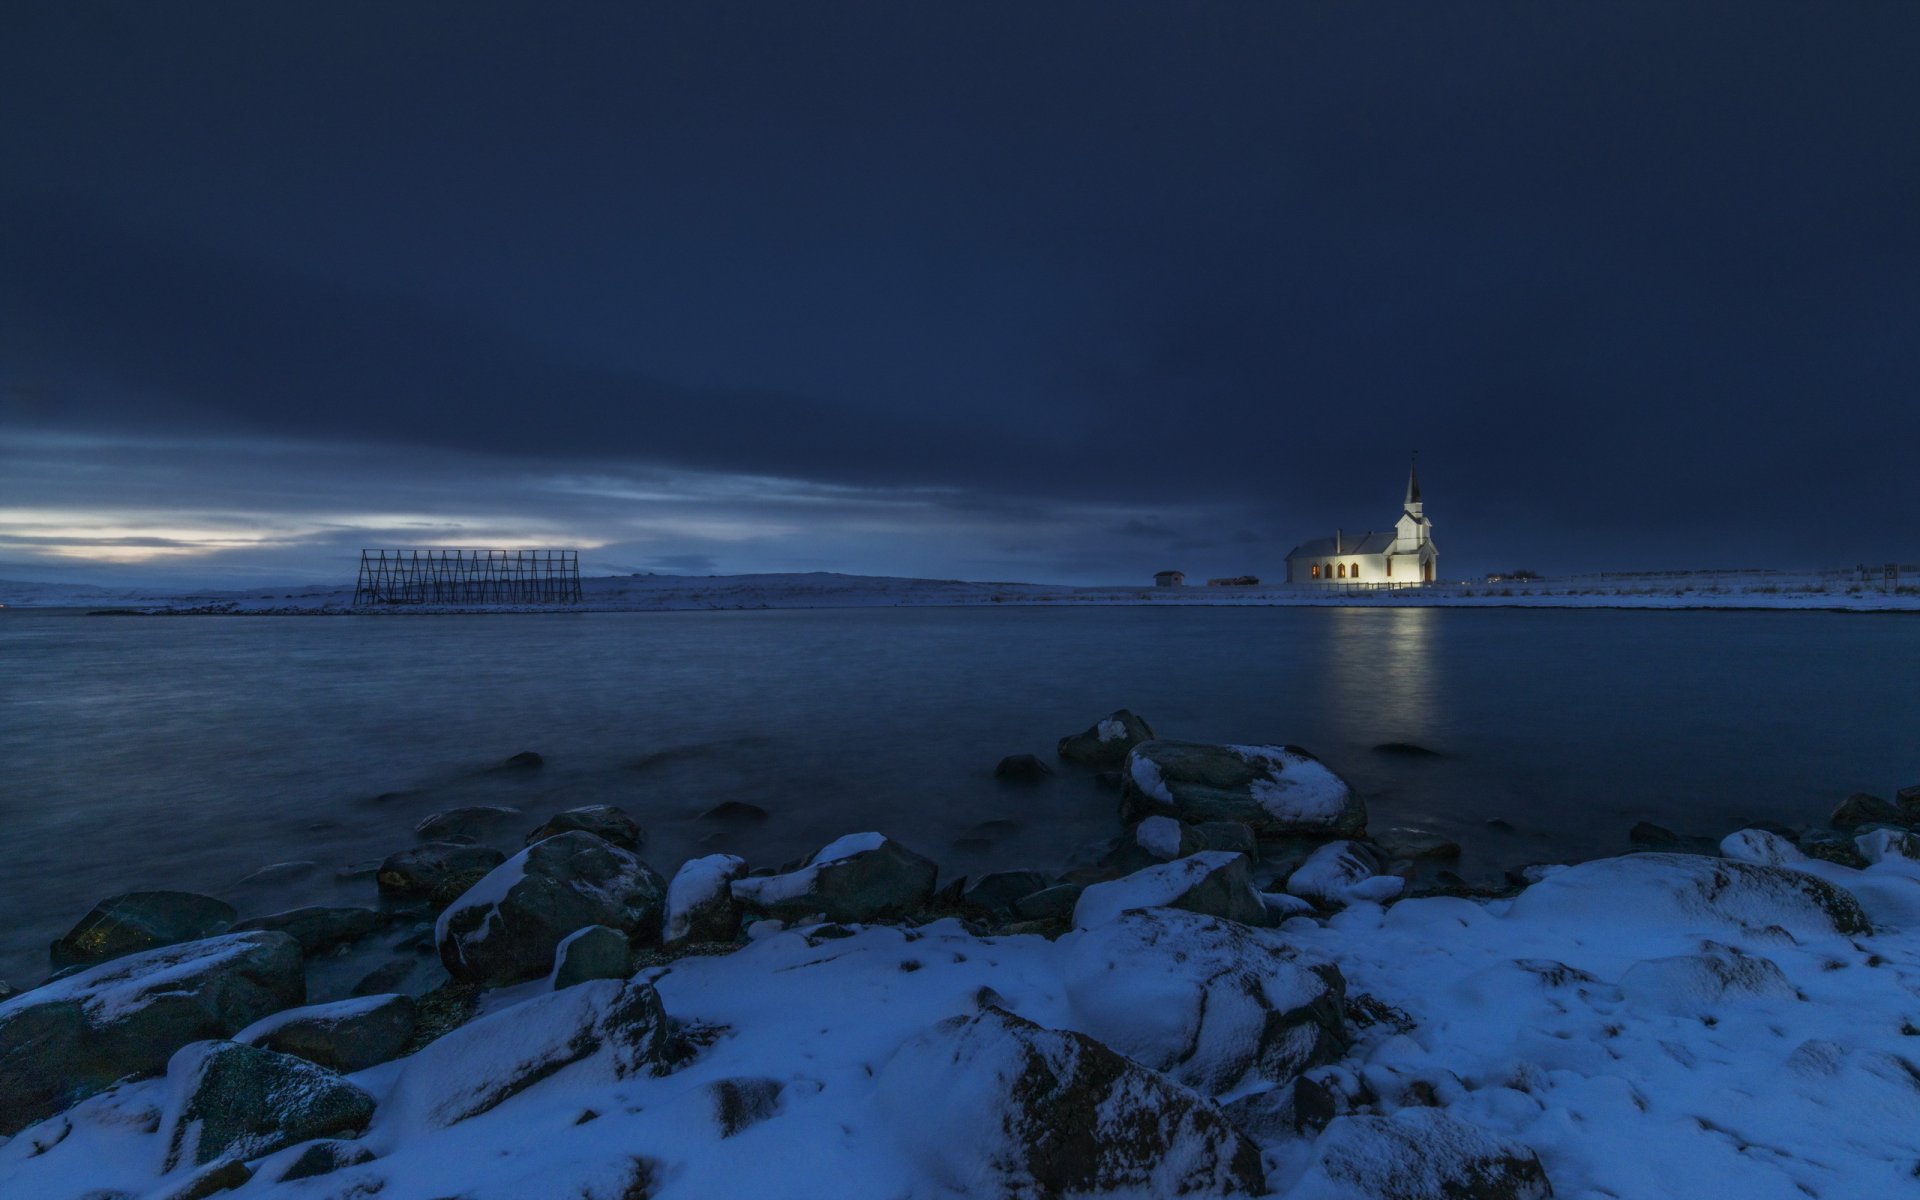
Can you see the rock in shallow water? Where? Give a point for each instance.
(318, 929)
(1022, 768)
(508, 925)
(860, 877)
(996, 1105)
(1106, 743)
(437, 871)
(141, 921)
(226, 1099)
(466, 824)
(602, 820)
(1277, 791)
(68, 1040)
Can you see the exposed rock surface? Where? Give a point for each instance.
(596, 952)
(65, 1041)
(437, 871)
(346, 1036)
(229, 1100)
(1342, 872)
(1214, 882)
(1274, 790)
(997, 892)
(1021, 768)
(700, 903)
(602, 820)
(1106, 743)
(1862, 809)
(1205, 1000)
(1418, 1154)
(324, 1158)
(1050, 904)
(996, 1105)
(472, 823)
(318, 929)
(508, 925)
(139, 921)
(1417, 844)
(860, 877)
(735, 812)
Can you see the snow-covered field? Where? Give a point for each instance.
(1755, 589)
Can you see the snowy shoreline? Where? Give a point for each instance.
(1246, 994)
(1757, 591)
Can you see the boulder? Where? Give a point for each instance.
(437, 871)
(700, 903)
(141, 921)
(324, 1158)
(68, 1040)
(1050, 904)
(526, 760)
(996, 893)
(860, 877)
(319, 929)
(1417, 844)
(995, 1105)
(602, 820)
(1761, 848)
(1106, 743)
(210, 1180)
(1209, 1002)
(346, 1036)
(602, 1031)
(1879, 845)
(735, 812)
(473, 823)
(1340, 873)
(1216, 883)
(1861, 809)
(1908, 799)
(1690, 892)
(596, 952)
(225, 1100)
(1228, 835)
(1277, 791)
(1418, 1154)
(1828, 846)
(1406, 750)
(1702, 985)
(1022, 768)
(506, 927)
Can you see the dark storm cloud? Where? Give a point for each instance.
(1064, 289)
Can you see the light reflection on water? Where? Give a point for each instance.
(190, 752)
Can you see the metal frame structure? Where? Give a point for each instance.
(461, 576)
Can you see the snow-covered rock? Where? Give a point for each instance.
(1418, 1154)
(1761, 848)
(606, 821)
(1274, 790)
(226, 1099)
(1205, 1000)
(700, 903)
(1107, 742)
(1700, 985)
(345, 1036)
(1880, 845)
(603, 1030)
(596, 952)
(74, 1037)
(1340, 873)
(141, 921)
(1670, 889)
(506, 927)
(860, 877)
(1216, 883)
(996, 1105)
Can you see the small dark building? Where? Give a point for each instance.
(1169, 578)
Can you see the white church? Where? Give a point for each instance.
(1405, 555)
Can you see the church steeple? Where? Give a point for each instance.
(1413, 482)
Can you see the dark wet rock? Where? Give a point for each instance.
(740, 1104)
(1050, 904)
(319, 929)
(1417, 844)
(347, 1036)
(478, 1066)
(1022, 768)
(602, 820)
(526, 760)
(1421, 1154)
(1405, 750)
(390, 976)
(508, 925)
(141, 921)
(1861, 809)
(436, 872)
(700, 903)
(861, 877)
(1052, 1113)
(735, 812)
(1107, 741)
(1228, 835)
(1215, 883)
(232, 1101)
(68, 1040)
(1646, 833)
(1908, 799)
(596, 952)
(1828, 846)
(324, 1158)
(996, 892)
(1276, 791)
(1208, 1002)
(1499, 824)
(474, 823)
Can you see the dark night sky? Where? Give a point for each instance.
(1052, 292)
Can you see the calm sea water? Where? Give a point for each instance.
(191, 752)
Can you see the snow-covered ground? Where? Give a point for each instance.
(640, 593)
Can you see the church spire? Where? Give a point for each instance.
(1413, 480)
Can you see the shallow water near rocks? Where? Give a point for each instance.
(194, 752)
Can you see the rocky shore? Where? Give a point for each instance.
(1243, 993)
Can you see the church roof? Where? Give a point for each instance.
(1361, 543)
